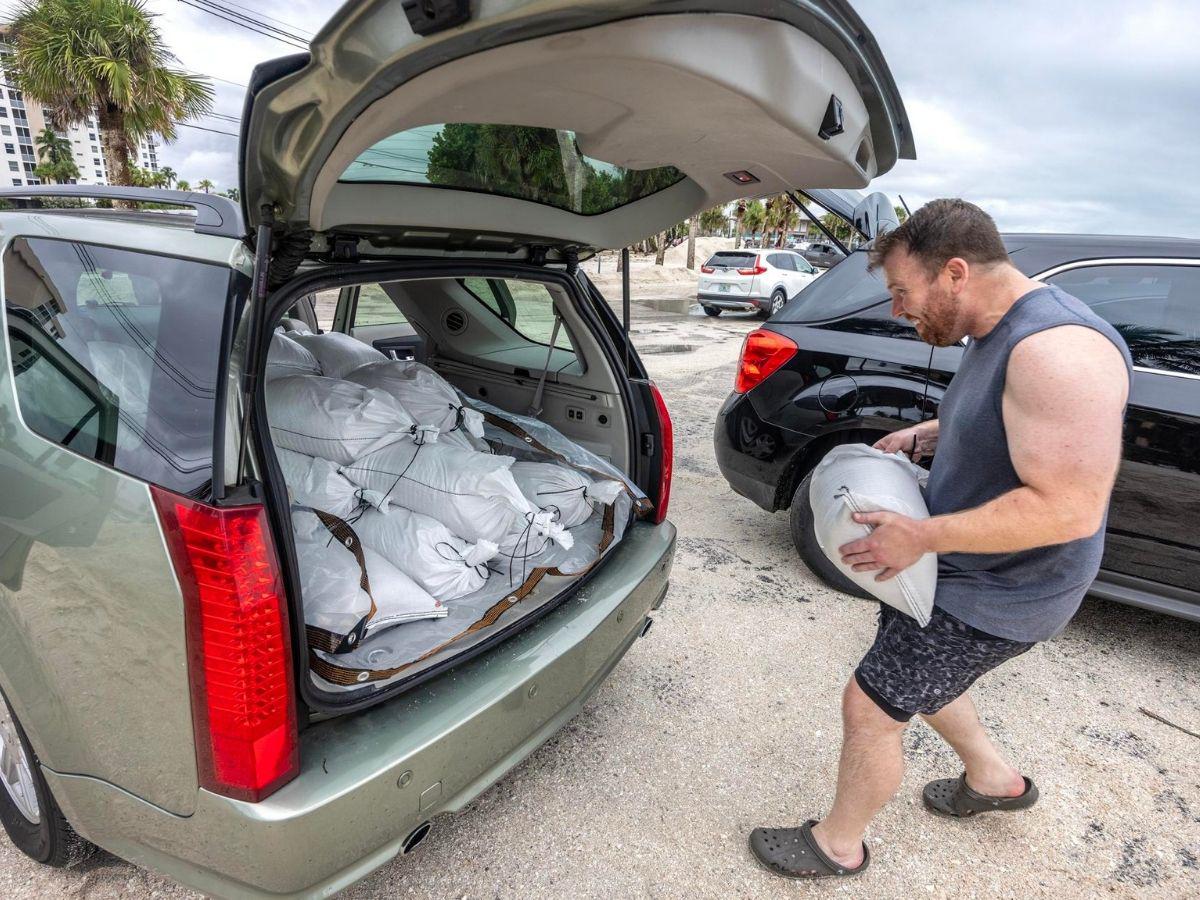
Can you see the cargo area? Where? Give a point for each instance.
(456, 454)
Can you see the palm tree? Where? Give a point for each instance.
(204, 184)
(693, 227)
(754, 216)
(168, 175)
(232, 193)
(104, 56)
(182, 185)
(56, 162)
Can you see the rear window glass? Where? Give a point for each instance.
(846, 288)
(539, 164)
(732, 260)
(115, 354)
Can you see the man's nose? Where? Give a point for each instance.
(897, 308)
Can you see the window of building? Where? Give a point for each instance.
(99, 174)
(95, 162)
(23, 133)
(3, 113)
(14, 166)
(28, 168)
(95, 149)
(6, 130)
(16, 182)
(9, 148)
(91, 135)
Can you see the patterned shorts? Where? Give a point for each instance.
(910, 669)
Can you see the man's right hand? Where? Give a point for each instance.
(916, 442)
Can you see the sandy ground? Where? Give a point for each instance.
(726, 717)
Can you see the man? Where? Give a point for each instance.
(1028, 444)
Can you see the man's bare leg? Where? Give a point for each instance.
(988, 772)
(869, 772)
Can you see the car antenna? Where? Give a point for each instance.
(907, 211)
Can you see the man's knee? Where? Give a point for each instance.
(861, 713)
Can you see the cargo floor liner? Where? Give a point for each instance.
(515, 588)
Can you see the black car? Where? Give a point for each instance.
(824, 255)
(833, 367)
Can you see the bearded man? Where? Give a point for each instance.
(1028, 442)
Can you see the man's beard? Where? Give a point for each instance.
(936, 326)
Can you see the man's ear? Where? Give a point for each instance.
(958, 270)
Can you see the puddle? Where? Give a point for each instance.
(666, 348)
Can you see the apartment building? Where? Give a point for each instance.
(20, 125)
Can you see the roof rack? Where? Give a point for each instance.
(214, 214)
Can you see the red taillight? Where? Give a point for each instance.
(239, 645)
(758, 269)
(762, 353)
(707, 270)
(666, 439)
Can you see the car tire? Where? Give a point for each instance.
(50, 840)
(711, 311)
(810, 551)
(778, 299)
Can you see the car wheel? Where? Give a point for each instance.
(810, 551)
(778, 299)
(711, 311)
(31, 817)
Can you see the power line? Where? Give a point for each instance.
(297, 43)
(213, 130)
(292, 35)
(263, 15)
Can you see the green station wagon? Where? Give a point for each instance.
(426, 181)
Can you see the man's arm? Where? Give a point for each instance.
(918, 441)
(1063, 406)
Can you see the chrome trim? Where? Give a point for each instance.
(1124, 261)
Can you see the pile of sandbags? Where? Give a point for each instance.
(414, 494)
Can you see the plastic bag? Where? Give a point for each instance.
(317, 483)
(857, 478)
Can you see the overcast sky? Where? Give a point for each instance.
(1072, 115)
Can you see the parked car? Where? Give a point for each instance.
(834, 367)
(162, 697)
(743, 281)
(823, 254)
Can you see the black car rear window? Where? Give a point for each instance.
(116, 354)
(846, 288)
(732, 259)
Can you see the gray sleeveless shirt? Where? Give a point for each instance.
(1029, 595)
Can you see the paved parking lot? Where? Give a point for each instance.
(726, 717)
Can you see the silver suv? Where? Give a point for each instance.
(161, 695)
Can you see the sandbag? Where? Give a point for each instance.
(336, 599)
(286, 357)
(398, 598)
(336, 420)
(331, 591)
(424, 549)
(339, 354)
(428, 397)
(472, 494)
(857, 478)
(317, 483)
(570, 493)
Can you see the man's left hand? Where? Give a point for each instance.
(895, 544)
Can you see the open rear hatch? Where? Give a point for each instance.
(607, 121)
(542, 132)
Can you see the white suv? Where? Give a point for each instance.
(742, 280)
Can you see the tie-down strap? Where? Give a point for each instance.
(348, 677)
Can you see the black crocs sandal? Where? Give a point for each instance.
(953, 797)
(794, 853)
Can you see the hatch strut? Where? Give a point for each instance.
(825, 231)
(258, 314)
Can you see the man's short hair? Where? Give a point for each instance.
(941, 230)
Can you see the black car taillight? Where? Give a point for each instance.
(762, 353)
(239, 645)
